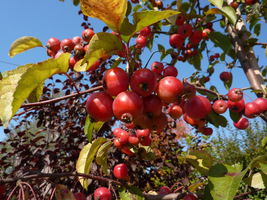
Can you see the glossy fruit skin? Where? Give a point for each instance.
(205, 33)
(242, 123)
(220, 106)
(250, 2)
(196, 37)
(189, 90)
(170, 71)
(185, 30)
(176, 41)
(170, 89)
(87, 34)
(193, 122)
(115, 81)
(66, 45)
(142, 133)
(146, 141)
(77, 40)
(165, 190)
(262, 103)
(225, 76)
(53, 44)
(143, 82)
(157, 67)
(145, 31)
(251, 110)
(190, 197)
(133, 139)
(125, 149)
(157, 124)
(175, 111)
(117, 143)
(135, 1)
(236, 107)
(235, 94)
(99, 106)
(180, 19)
(127, 106)
(207, 131)
(140, 41)
(152, 106)
(102, 193)
(234, 5)
(198, 107)
(120, 171)
(123, 136)
(79, 196)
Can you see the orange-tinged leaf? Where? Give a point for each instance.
(112, 12)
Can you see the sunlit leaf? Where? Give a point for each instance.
(100, 45)
(23, 44)
(111, 12)
(142, 20)
(217, 3)
(91, 127)
(86, 158)
(224, 181)
(16, 87)
(264, 142)
(201, 160)
(258, 180)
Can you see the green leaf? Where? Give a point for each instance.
(102, 156)
(263, 167)
(137, 7)
(258, 180)
(201, 160)
(196, 61)
(142, 20)
(257, 30)
(193, 187)
(221, 40)
(86, 158)
(36, 94)
(100, 45)
(235, 116)
(217, 120)
(179, 4)
(111, 12)
(91, 127)
(228, 84)
(133, 193)
(224, 181)
(217, 3)
(230, 14)
(161, 48)
(76, 2)
(16, 87)
(23, 44)
(264, 142)
(255, 162)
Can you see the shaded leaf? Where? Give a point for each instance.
(235, 116)
(16, 87)
(90, 127)
(221, 41)
(201, 160)
(217, 120)
(102, 155)
(101, 44)
(111, 12)
(133, 193)
(86, 157)
(23, 44)
(36, 94)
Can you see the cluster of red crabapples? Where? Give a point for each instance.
(77, 46)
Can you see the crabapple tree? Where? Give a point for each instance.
(117, 135)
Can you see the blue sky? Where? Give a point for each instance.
(52, 18)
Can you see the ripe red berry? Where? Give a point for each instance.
(79, 196)
(115, 81)
(196, 37)
(143, 82)
(102, 193)
(220, 106)
(87, 35)
(242, 123)
(189, 197)
(146, 141)
(142, 133)
(235, 94)
(251, 110)
(77, 40)
(123, 136)
(225, 76)
(99, 106)
(66, 45)
(53, 44)
(250, 2)
(185, 30)
(140, 41)
(158, 123)
(145, 31)
(180, 19)
(175, 111)
(165, 190)
(234, 5)
(170, 89)
(133, 139)
(207, 131)
(236, 107)
(176, 41)
(152, 106)
(120, 171)
(189, 90)
(157, 67)
(194, 122)
(205, 33)
(198, 107)
(127, 106)
(262, 103)
(170, 71)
